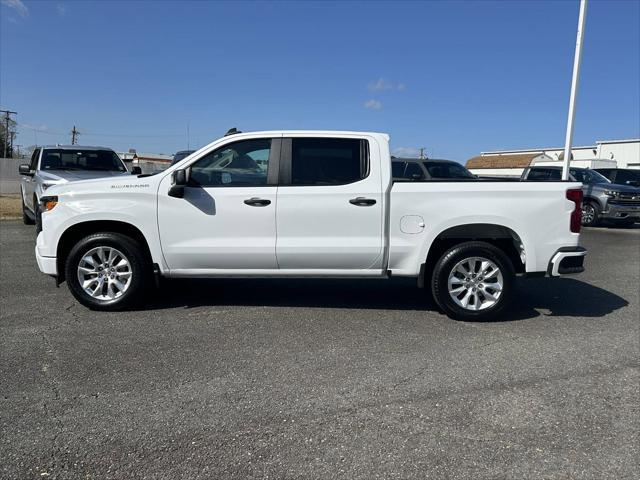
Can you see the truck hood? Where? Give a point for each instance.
(61, 176)
(119, 182)
(614, 187)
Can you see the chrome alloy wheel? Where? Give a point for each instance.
(475, 283)
(588, 213)
(104, 273)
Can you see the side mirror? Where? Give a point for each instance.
(179, 182)
(136, 171)
(416, 176)
(25, 169)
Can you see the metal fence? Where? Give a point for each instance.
(9, 176)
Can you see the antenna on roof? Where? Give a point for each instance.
(232, 131)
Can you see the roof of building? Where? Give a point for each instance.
(577, 147)
(516, 160)
(628, 140)
(537, 150)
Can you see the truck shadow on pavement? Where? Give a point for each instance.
(534, 297)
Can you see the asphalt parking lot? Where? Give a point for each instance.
(321, 379)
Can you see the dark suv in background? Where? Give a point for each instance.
(415, 169)
(603, 200)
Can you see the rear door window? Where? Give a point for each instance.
(328, 161)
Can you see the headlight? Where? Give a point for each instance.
(48, 203)
(612, 193)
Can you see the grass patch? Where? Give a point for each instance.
(10, 207)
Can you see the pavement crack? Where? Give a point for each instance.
(52, 410)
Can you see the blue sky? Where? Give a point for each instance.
(454, 77)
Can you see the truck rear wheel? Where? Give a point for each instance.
(473, 281)
(107, 271)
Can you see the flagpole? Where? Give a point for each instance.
(574, 89)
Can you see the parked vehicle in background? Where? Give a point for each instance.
(415, 169)
(59, 164)
(324, 206)
(181, 155)
(621, 176)
(602, 200)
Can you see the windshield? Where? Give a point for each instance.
(63, 159)
(588, 176)
(447, 170)
(180, 155)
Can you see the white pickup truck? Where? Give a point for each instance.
(307, 204)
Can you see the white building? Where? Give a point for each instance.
(605, 153)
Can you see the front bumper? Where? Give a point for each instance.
(48, 265)
(621, 211)
(567, 261)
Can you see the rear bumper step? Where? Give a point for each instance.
(567, 261)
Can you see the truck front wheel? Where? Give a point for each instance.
(107, 271)
(590, 214)
(473, 281)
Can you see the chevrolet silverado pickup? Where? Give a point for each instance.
(57, 164)
(602, 199)
(307, 204)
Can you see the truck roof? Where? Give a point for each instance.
(75, 147)
(310, 132)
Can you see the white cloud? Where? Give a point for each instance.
(406, 152)
(384, 85)
(373, 104)
(61, 9)
(18, 6)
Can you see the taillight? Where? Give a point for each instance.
(575, 195)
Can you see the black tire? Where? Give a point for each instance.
(26, 219)
(139, 265)
(590, 214)
(445, 266)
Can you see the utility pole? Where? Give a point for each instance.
(74, 135)
(574, 89)
(7, 114)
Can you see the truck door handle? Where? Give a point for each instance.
(362, 202)
(257, 202)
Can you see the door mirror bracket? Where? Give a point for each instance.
(25, 169)
(178, 184)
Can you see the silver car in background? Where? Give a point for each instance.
(52, 165)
